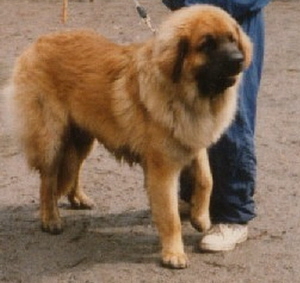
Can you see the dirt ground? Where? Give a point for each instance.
(116, 242)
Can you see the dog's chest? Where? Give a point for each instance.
(205, 123)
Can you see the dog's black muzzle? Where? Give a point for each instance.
(232, 63)
(221, 70)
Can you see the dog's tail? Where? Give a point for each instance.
(8, 125)
(33, 127)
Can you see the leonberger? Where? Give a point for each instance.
(160, 103)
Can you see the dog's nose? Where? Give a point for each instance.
(236, 58)
(234, 62)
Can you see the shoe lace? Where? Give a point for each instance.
(222, 228)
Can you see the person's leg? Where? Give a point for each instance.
(233, 160)
(233, 165)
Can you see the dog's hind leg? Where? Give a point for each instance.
(43, 148)
(49, 156)
(51, 221)
(40, 124)
(77, 146)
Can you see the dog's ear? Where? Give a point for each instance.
(182, 51)
(245, 45)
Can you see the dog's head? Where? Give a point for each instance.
(205, 45)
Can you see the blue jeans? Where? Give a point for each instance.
(232, 158)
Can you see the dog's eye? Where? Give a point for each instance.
(231, 38)
(208, 44)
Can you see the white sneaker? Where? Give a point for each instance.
(223, 237)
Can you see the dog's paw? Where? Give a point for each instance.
(201, 223)
(175, 260)
(52, 227)
(81, 201)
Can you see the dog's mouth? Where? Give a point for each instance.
(227, 82)
(220, 71)
(214, 78)
(211, 87)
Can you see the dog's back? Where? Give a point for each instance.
(63, 79)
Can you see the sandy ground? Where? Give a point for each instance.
(116, 242)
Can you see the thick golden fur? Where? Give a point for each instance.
(141, 101)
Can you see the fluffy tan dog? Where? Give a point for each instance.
(160, 103)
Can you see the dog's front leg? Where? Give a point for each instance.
(201, 195)
(161, 179)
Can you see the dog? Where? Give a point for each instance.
(160, 103)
